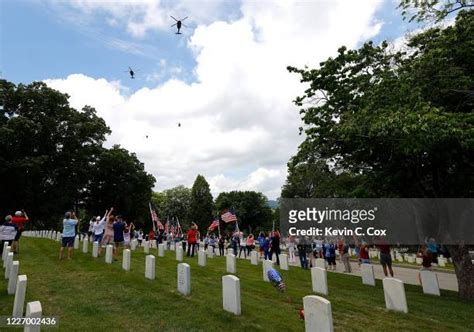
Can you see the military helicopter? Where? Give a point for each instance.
(178, 24)
(131, 72)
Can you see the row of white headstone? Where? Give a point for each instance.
(17, 287)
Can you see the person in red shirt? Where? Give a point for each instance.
(19, 219)
(151, 238)
(192, 240)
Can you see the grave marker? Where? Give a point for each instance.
(254, 257)
(13, 277)
(317, 313)
(319, 280)
(319, 262)
(367, 272)
(150, 267)
(201, 258)
(109, 254)
(95, 249)
(85, 245)
(231, 294)
(230, 263)
(146, 247)
(184, 278)
(76, 242)
(33, 310)
(267, 265)
(394, 292)
(161, 250)
(20, 292)
(8, 265)
(429, 282)
(179, 254)
(284, 261)
(126, 260)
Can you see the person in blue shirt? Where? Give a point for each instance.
(119, 227)
(69, 234)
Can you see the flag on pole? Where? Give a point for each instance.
(214, 225)
(154, 217)
(229, 216)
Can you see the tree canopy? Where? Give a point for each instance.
(202, 205)
(52, 158)
(401, 124)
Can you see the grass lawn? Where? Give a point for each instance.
(89, 295)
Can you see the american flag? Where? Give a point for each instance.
(155, 218)
(214, 225)
(229, 216)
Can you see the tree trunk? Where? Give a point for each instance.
(464, 270)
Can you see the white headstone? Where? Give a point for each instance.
(230, 263)
(13, 277)
(95, 249)
(442, 262)
(419, 260)
(150, 267)
(201, 258)
(394, 292)
(319, 262)
(20, 292)
(76, 242)
(5, 245)
(5, 255)
(58, 236)
(429, 282)
(109, 249)
(254, 257)
(411, 259)
(319, 280)
(126, 260)
(368, 276)
(267, 265)
(184, 278)
(210, 252)
(33, 310)
(317, 314)
(179, 254)
(284, 261)
(230, 251)
(231, 294)
(8, 265)
(161, 250)
(172, 247)
(146, 247)
(85, 245)
(134, 244)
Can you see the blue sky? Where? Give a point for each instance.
(224, 78)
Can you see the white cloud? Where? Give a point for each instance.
(239, 126)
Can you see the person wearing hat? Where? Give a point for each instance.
(19, 219)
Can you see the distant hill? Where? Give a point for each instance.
(273, 204)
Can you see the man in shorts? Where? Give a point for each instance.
(119, 227)
(69, 234)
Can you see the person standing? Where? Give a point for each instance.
(385, 257)
(250, 244)
(275, 246)
(330, 255)
(19, 219)
(69, 234)
(302, 246)
(140, 237)
(109, 232)
(291, 248)
(221, 245)
(345, 257)
(242, 245)
(8, 232)
(118, 227)
(192, 240)
(261, 243)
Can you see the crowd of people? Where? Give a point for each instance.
(11, 230)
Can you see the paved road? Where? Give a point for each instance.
(446, 280)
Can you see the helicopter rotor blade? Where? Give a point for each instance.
(184, 18)
(174, 25)
(184, 25)
(174, 18)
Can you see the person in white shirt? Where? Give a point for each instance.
(99, 225)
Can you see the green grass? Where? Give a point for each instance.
(89, 295)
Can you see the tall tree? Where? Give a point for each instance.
(404, 122)
(202, 205)
(174, 204)
(432, 10)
